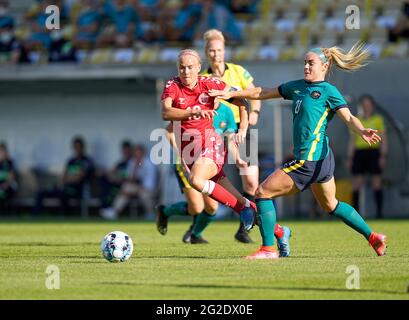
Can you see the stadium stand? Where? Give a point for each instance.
(273, 29)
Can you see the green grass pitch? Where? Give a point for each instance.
(162, 267)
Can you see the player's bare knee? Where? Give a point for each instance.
(197, 182)
(195, 208)
(211, 210)
(260, 193)
(329, 205)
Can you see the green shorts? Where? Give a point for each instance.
(304, 173)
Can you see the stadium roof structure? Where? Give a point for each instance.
(68, 72)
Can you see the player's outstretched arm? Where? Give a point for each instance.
(257, 93)
(369, 135)
(255, 107)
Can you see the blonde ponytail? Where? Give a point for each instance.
(354, 59)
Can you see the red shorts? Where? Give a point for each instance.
(211, 147)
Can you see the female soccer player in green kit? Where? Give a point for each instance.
(315, 102)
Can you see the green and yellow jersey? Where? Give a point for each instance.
(237, 77)
(375, 121)
(314, 105)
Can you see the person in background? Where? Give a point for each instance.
(39, 38)
(140, 182)
(78, 172)
(125, 25)
(87, 24)
(111, 182)
(61, 49)
(8, 179)
(185, 23)
(364, 159)
(11, 50)
(401, 28)
(6, 20)
(217, 16)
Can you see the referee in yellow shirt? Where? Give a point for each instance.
(368, 160)
(239, 78)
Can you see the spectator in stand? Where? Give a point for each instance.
(11, 51)
(87, 24)
(244, 6)
(140, 182)
(126, 25)
(401, 29)
(111, 183)
(216, 16)
(185, 22)
(8, 179)
(61, 49)
(148, 9)
(37, 17)
(153, 14)
(78, 173)
(6, 20)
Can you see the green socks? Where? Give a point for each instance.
(352, 218)
(267, 218)
(202, 221)
(176, 209)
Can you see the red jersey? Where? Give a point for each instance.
(196, 99)
(198, 136)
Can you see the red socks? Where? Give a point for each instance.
(278, 231)
(223, 196)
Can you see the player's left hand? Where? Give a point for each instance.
(370, 136)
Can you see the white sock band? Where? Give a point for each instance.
(208, 187)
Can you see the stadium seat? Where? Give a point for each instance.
(100, 56)
(169, 54)
(125, 55)
(245, 53)
(147, 55)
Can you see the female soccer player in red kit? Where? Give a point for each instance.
(185, 102)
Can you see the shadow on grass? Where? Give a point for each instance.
(216, 286)
(189, 257)
(46, 244)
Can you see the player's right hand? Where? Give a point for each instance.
(207, 114)
(370, 136)
(221, 94)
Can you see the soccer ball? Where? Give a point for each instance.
(117, 246)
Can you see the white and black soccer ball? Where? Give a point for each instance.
(117, 246)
